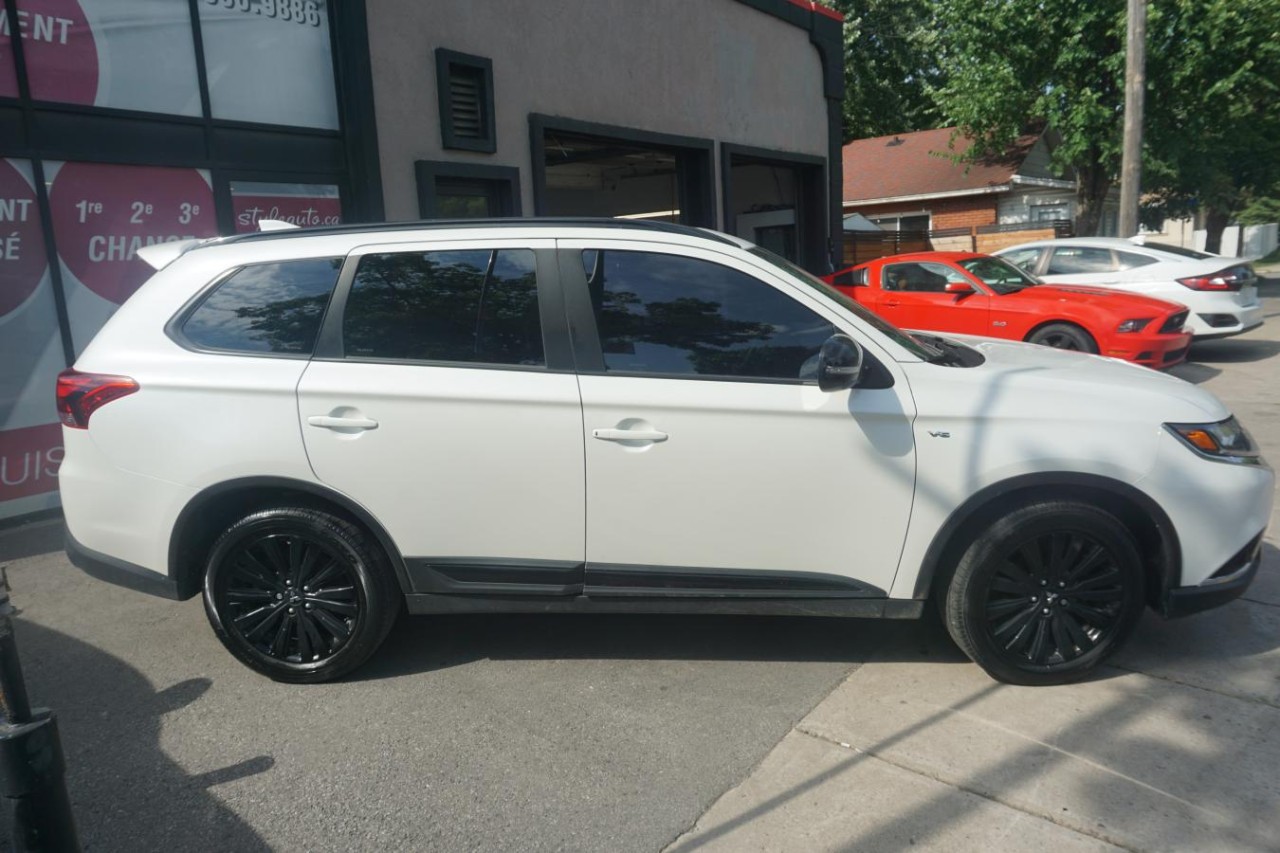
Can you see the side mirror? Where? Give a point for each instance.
(959, 287)
(839, 363)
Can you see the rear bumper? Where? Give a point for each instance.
(120, 573)
(1225, 322)
(1225, 585)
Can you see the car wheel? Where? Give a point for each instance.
(298, 594)
(1063, 336)
(1046, 593)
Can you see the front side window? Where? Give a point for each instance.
(1080, 260)
(680, 316)
(919, 278)
(266, 308)
(476, 306)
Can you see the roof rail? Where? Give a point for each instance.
(511, 222)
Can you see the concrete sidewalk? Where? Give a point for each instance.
(1175, 746)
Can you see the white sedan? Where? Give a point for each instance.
(1221, 292)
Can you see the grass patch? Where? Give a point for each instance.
(1273, 258)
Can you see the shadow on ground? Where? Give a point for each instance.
(125, 792)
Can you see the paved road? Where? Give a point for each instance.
(617, 733)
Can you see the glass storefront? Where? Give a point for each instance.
(164, 130)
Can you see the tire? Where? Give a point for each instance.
(264, 561)
(1063, 336)
(1046, 593)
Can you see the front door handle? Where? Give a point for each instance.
(331, 422)
(629, 435)
(892, 304)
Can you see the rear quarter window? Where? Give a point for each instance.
(273, 308)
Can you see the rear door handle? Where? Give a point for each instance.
(330, 422)
(892, 304)
(629, 435)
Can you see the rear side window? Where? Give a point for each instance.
(1080, 260)
(476, 306)
(265, 308)
(678, 316)
(1130, 260)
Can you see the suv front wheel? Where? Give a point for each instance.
(1046, 593)
(298, 594)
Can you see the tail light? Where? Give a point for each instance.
(82, 394)
(1232, 278)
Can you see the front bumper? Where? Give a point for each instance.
(1158, 351)
(1226, 584)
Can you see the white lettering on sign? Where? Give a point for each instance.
(34, 465)
(307, 216)
(14, 209)
(121, 248)
(37, 27)
(10, 247)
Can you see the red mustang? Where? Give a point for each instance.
(973, 294)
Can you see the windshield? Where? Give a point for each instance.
(900, 337)
(999, 275)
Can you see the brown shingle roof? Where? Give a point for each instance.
(907, 164)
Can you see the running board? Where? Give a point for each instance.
(864, 608)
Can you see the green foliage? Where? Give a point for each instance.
(888, 67)
(1213, 115)
(1260, 211)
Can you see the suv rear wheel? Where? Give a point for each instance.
(298, 594)
(1046, 593)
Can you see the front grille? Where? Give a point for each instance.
(1176, 355)
(1174, 323)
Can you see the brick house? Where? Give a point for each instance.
(908, 182)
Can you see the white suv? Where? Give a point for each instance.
(317, 429)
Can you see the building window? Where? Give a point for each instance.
(465, 90)
(467, 190)
(903, 222)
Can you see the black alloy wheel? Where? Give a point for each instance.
(1046, 593)
(1055, 598)
(299, 594)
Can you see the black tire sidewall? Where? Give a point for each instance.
(1084, 341)
(966, 595)
(366, 563)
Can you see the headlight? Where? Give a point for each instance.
(1133, 325)
(1226, 441)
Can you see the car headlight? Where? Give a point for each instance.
(1225, 441)
(1133, 325)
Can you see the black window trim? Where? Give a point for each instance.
(173, 328)
(507, 177)
(488, 142)
(557, 354)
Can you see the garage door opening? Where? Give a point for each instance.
(626, 174)
(776, 201)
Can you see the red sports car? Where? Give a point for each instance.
(974, 294)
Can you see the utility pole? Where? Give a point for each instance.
(1135, 84)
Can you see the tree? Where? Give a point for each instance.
(1214, 130)
(888, 67)
(1009, 66)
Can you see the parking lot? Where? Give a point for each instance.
(642, 733)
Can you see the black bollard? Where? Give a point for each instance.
(33, 784)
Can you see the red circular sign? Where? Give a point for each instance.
(102, 215)
(61, 55)
(22, 258)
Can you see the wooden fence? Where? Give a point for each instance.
(862, 246)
